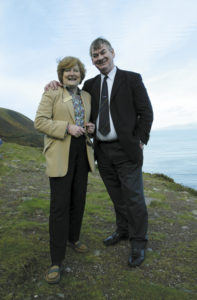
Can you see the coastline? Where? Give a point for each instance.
(173, 152)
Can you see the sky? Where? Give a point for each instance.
(155, 38)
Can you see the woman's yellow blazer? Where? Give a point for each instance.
(54, 113)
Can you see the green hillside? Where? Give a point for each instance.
(169, 271)
(17, 128)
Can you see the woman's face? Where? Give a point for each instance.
(72, 76)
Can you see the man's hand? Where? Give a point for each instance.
(75, 130)
(53, 85)
(90, 127)
(141, 145)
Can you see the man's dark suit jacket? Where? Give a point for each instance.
(131, 110)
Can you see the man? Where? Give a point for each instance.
(123, 115)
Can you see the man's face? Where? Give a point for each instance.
(102, 58)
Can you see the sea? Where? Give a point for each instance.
(173, 152)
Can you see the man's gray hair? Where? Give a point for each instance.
(97, 44)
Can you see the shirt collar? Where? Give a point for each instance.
(111, 74)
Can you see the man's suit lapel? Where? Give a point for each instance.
(117, 83)
(96, 94)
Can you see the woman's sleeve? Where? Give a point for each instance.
(44, 117)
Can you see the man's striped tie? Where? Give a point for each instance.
(104, 125)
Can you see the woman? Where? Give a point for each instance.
(63, 115)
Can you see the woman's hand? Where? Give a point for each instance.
(90, 127)
(75, 130)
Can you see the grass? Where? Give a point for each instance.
(169, 271)
(173, 185)
(36, 205)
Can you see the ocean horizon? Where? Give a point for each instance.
(173, 152)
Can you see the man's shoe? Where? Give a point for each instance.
(114, 238)
(136, 258)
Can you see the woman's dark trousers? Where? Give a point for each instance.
(67, 204)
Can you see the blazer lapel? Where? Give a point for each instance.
(86, 105)
(67, 98)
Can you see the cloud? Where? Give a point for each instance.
(21, 95)
(173, 96)
(155, 38)
(152, 31)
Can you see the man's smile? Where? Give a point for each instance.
(101, 61)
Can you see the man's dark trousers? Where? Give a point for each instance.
(123, 180)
